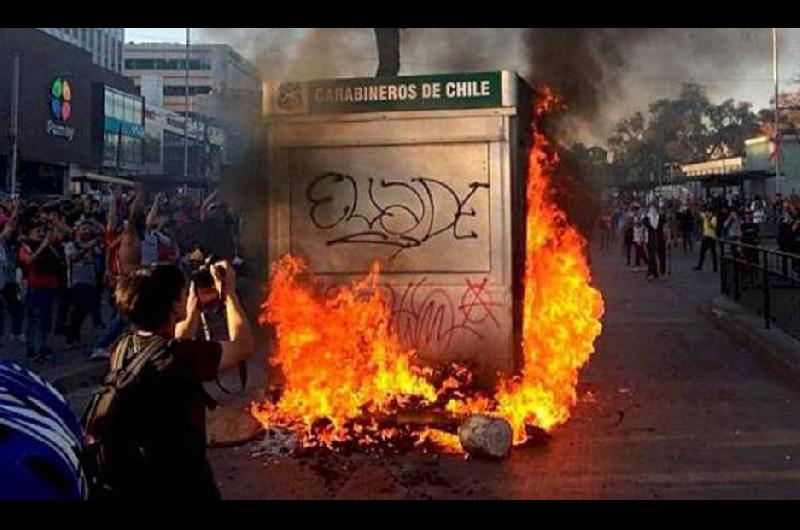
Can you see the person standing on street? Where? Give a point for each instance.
(687, 229)
(708, 220)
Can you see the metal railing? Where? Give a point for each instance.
(764, 281)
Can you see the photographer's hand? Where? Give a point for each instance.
(224, 279)
(241, 344)
(187, 328)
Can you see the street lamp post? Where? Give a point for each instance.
(777, 110)
(14, 126)
(186, 111)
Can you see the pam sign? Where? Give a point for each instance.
(452, 91)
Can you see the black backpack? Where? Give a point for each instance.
(110, 448)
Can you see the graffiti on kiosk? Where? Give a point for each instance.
(394, 213)
(427, 318)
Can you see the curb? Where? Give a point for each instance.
(778, 349)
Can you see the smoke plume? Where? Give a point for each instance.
(603, 73)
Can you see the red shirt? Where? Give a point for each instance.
(111, 241)
(37, 279)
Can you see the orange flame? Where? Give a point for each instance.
(337, 351)
(561, 310)
(341, 358)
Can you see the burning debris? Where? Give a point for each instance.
(351, 384)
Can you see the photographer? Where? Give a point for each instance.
(149, 420)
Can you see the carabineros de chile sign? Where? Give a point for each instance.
(453, 91)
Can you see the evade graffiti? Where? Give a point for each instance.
(394, 213)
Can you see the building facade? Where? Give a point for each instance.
(760, 156)
(74, 117)
(224, 89)
(159, 70)
(164, 149)
(105, 44)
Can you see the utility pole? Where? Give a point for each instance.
(778, 183)
(14, 125)
(186, 111)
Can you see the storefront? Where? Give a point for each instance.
(61, 119)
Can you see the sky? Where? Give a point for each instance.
(747, 82)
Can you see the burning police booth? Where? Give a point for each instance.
(400, 219)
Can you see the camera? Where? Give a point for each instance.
(204, 282)
(201, 276)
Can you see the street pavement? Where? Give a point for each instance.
(669, 407)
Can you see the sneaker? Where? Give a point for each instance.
(30, 353)
(99, 354)
(698, 268)
(18, 338)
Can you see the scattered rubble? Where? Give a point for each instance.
(277, 442)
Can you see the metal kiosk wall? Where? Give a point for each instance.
(424, 174)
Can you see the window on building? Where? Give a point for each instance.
(152, 149)
(166, 64)
(104, 50)
(181, 91)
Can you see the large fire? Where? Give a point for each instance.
(345, 367)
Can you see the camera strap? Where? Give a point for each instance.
(242, 365)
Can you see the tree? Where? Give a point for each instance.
(679, 131)
(731, 124)
(677, 128)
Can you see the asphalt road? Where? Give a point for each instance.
(670, 407)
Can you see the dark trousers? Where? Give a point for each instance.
(39, 316)
(641, 256)
(62, 302)
(688, 241)
(82, 300)
(653, 264)
(605, 239)
(97, 304)
(10, 301)
(706, 244)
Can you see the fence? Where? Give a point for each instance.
(764, 281)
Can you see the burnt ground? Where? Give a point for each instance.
(670, 407)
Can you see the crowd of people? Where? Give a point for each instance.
(163, 263)
(649, 230)
(61, 259)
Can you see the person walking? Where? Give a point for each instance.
(656, 245)
(687, 228)
(708, 220)
(639, 243)
(605, 230)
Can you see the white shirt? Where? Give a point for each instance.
(150, 243)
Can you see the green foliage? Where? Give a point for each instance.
(679, 131)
